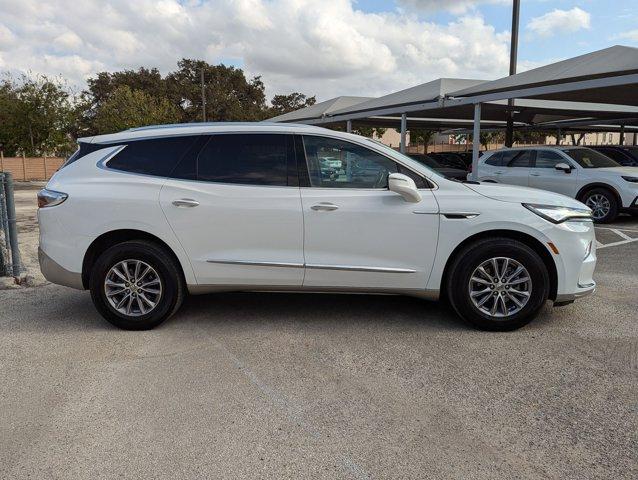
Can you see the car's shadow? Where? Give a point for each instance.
(54, 308)
(317, 309)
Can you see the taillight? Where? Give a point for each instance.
(50, 198)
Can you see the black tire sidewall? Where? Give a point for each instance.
(613, 203)
(472, 257)
(153, 256)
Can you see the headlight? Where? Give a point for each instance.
(556, 214)
(630, 179)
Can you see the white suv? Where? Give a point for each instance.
(144, 216)
(579, 172)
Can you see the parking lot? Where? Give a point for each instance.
(320, 386)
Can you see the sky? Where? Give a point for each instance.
(317, 47)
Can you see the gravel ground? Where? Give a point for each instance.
(321, 386)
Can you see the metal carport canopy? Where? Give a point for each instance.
(608, 76)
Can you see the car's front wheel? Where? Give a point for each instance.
(498, 284)
(603, 204)
(136, 285)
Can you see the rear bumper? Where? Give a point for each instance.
(55, 273)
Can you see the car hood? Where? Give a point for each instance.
(516, 194)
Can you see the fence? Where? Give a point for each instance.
(24, 169)
(10, 263)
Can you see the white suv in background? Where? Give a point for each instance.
(144, 216)
(579, 172)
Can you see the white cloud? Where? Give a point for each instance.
(454, 6)
(558, 22)
(323, 47)
(630, 35)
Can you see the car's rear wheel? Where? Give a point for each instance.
(603, 204)
(498, 284)
(136, 285)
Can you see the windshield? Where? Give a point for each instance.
(588, 158)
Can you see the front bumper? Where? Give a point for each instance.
(55, 273)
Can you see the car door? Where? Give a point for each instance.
(544, 175)
(517, 167)
(358, 234)
(236, 210)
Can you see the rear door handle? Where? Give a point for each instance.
(185, 202)
(498, 173)
(324, 207)
(535, 174)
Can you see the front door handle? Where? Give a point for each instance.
(324, 207)
(185, 202)
(535, 174)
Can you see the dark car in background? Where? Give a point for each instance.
(448, 172)
(450, 159)
(625, 155)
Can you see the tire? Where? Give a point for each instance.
(465, 267)
(607, 201)
(164, 276)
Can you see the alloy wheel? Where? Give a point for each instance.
(500, 287)
(599, 204)
(133, 287)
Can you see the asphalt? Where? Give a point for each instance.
(322, 386)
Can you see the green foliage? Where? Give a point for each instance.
(229, 95)
(281, 104)
(41, 116)
(37, 116)
(420, 136)
(369, 132)
(492, 137)
(126, 108)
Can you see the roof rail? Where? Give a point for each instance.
(212, 124)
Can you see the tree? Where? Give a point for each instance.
(126, 108)
(37, 116)
(491, 137)
(281, 104)
(229, 95)
(421, 136)
(369, 132)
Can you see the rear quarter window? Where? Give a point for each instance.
(157, 156)
(496, 159)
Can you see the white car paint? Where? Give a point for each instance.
(570, 184)
(373, 241)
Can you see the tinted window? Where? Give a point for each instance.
(334, 163)
(83, 149)
(157, 156)
(521, 158)
(495, 159)
(548, 159)
(588, 158)
(617, 155)
(250, 159)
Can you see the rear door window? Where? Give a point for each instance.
(496, 159)
(157, 156)
(249, 159)
(520, 158)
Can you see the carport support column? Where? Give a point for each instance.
(622, 135)
(476, 140)
(404, 127)
(349, 126)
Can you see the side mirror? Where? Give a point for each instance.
(404, 186)
(563, 167)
